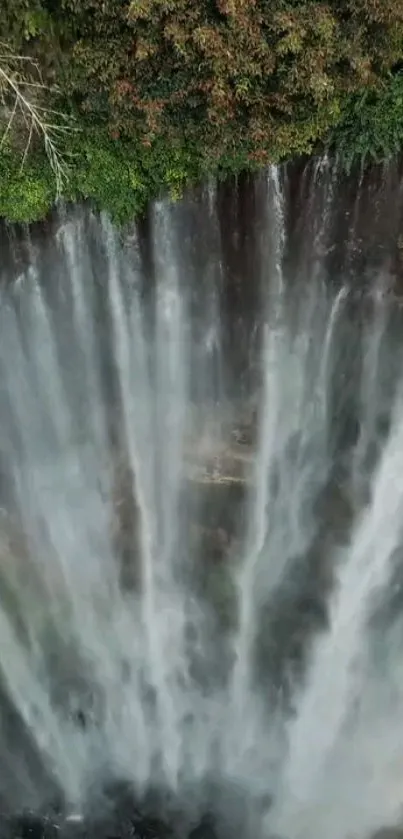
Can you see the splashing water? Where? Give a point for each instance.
(201, 488)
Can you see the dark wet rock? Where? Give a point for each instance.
(109, 827)
(205, 829)
(30, 826)
(214, 544)
(124, 821)
(389, 833)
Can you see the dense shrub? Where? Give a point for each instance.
(371, 124)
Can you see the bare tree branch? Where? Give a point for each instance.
(19, 95)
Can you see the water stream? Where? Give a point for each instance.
(201, 490)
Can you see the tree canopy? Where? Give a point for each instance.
(164, 91)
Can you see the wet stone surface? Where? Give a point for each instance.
(114, 826)
(29, 826)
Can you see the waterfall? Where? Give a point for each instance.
(201, 508)
(337, 680)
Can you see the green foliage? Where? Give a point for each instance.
(119, 176)
(164, 92)
(371, 125)
(103, 173)
(26, 194)
(123, 176)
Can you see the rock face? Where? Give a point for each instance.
(134, 826)
(115, 825)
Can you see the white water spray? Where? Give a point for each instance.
(117, 448)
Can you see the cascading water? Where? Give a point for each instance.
(201, 443)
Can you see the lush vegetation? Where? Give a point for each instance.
(118, 100)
